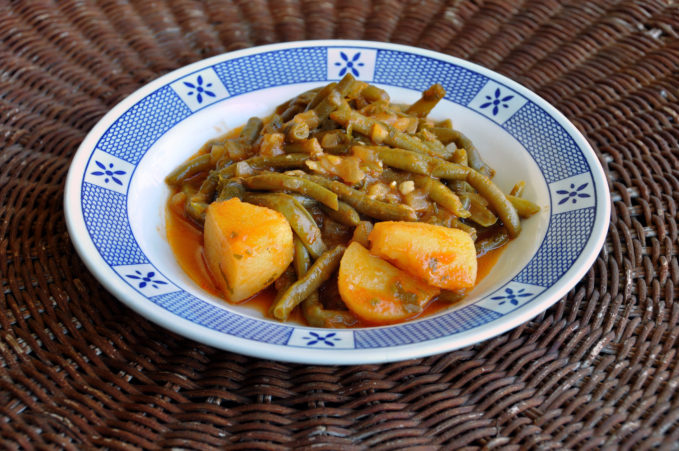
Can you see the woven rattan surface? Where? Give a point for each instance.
(598, 369)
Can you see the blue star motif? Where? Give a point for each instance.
(573, 194)
(316, 338)
(146, 279)
(511, 296)
(350, 65)
(200, 89)
(109, 173)
(497, 101)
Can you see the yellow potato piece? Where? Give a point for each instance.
(376, 291)
(444, 257)
(247, 247)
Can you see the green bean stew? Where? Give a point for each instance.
(342, 209)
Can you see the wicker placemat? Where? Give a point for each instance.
(79, 370)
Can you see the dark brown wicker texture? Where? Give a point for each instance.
(598, 369)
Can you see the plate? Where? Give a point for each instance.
(115, 195)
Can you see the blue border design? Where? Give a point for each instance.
(137, 129)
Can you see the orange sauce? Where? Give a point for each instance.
(186, 241)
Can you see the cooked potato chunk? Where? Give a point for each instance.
(444, 257)
(247, 247)
(378, 292)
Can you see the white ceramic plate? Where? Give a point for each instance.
(115, 195)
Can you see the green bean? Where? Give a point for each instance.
(304, 201)
(442, 195)
(291, 111)
(524, 207)
(301, 260)
(288, 161)
(188, 190)
(196, 209)
(497, 200)
(276, 181)
(250, 132)
(460, 157)
(321, 94)
(297, 131)
(449, 135)
(361, 233)
(318, 316)
(334, 98)
(445, 135)
(406, 160)
(345, 214)
(189, 168)
(517, 189)
(479, 213)
(300, 126)
(308, 117)
(299, 218)
(374, 94)
(309, 146)
(334, 141)
(426, 165)
(345, 84)
(328, 105)
(457, 224)
(450, 296)
(494, 240)
(430, 98)
(451, 171)
(230, 188)
(285, 280)
(274, 125)
(209, 186)
(417, 163)
(436, 147)
(312, 280)
(315, 314)
(381, 132)
(302, 99)
(396, 138)
(446, 123)
(236, 150)
(364, 204)
(473, 155)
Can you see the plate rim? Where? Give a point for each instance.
(104, 273)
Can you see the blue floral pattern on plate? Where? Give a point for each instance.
(512, 297)
(349, 64)
(327, 339)
(108, 173)
(359, 62)
(573, 194)
(199, 89)
(146, 279)
(496, 101)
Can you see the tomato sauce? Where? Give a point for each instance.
(186, 241)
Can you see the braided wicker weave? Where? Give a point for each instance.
(598, 369)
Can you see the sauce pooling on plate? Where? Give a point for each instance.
(186, 241)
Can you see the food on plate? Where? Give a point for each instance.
(377, 291)
(345, 208)
(444, 257)
(247, 247)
